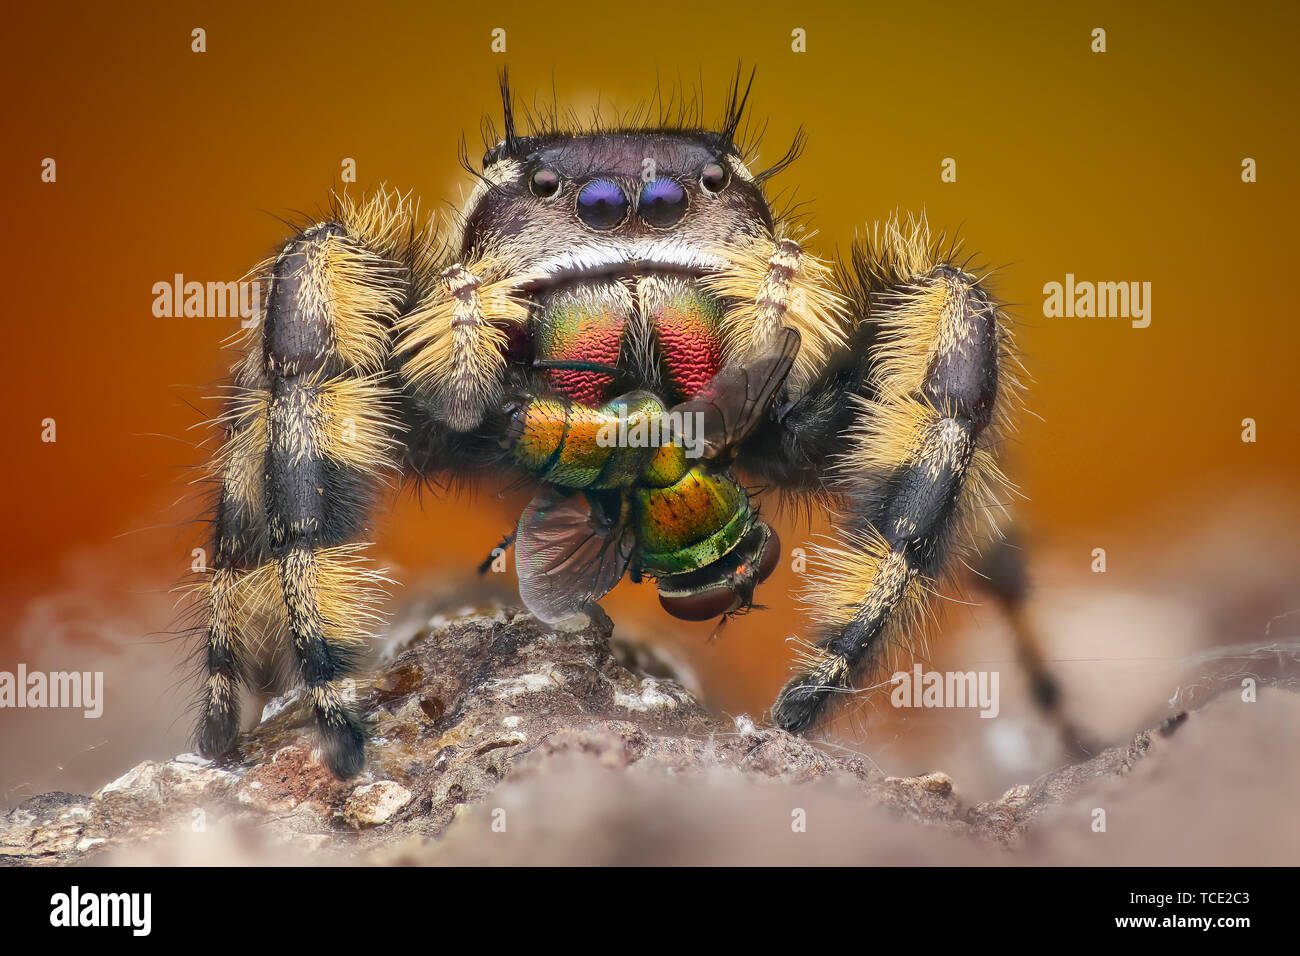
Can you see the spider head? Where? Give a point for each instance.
(573, 206)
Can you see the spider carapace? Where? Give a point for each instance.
(631, 281)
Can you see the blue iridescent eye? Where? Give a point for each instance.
(602, 204)
(662, 202)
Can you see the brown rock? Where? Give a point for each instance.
(501, 739)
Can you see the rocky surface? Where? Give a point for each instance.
(497, 739)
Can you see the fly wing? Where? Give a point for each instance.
(737, 400)
(568, 553)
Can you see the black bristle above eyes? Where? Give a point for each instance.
(736, 105)
(510, 142)
(791, 154)
(679, 114)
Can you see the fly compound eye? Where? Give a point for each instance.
(700, 606)
(713, 177)
(602, 204)
(544, 183)
(771, 556)
(662, 202)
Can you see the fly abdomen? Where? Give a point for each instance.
(691, 523)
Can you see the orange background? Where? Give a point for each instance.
(1123, 166)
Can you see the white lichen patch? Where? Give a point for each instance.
(572, 625)
(138, 777)
(650, 698)
(438, 623)
(514, 720)
(277, 705)
(524, 684)
(193, 776)
(375, 803)
(193, 759)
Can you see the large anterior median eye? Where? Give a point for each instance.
(662, 202)
(601, 204)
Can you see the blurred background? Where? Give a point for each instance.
(1119, 166)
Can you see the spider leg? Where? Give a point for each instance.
(236, 595)
(453, 343)
(310, 436)
(1001, 573)
(772, 283)
(909, 419)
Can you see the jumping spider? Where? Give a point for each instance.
(598, 277)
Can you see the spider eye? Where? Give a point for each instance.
(662, 202)
(713, 177)
(544, 182)
(602, 204)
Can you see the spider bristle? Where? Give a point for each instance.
(679, 112)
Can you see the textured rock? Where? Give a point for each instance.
(375, 803)
(501, 739)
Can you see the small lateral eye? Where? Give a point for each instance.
(713, 177)
(544, 182)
